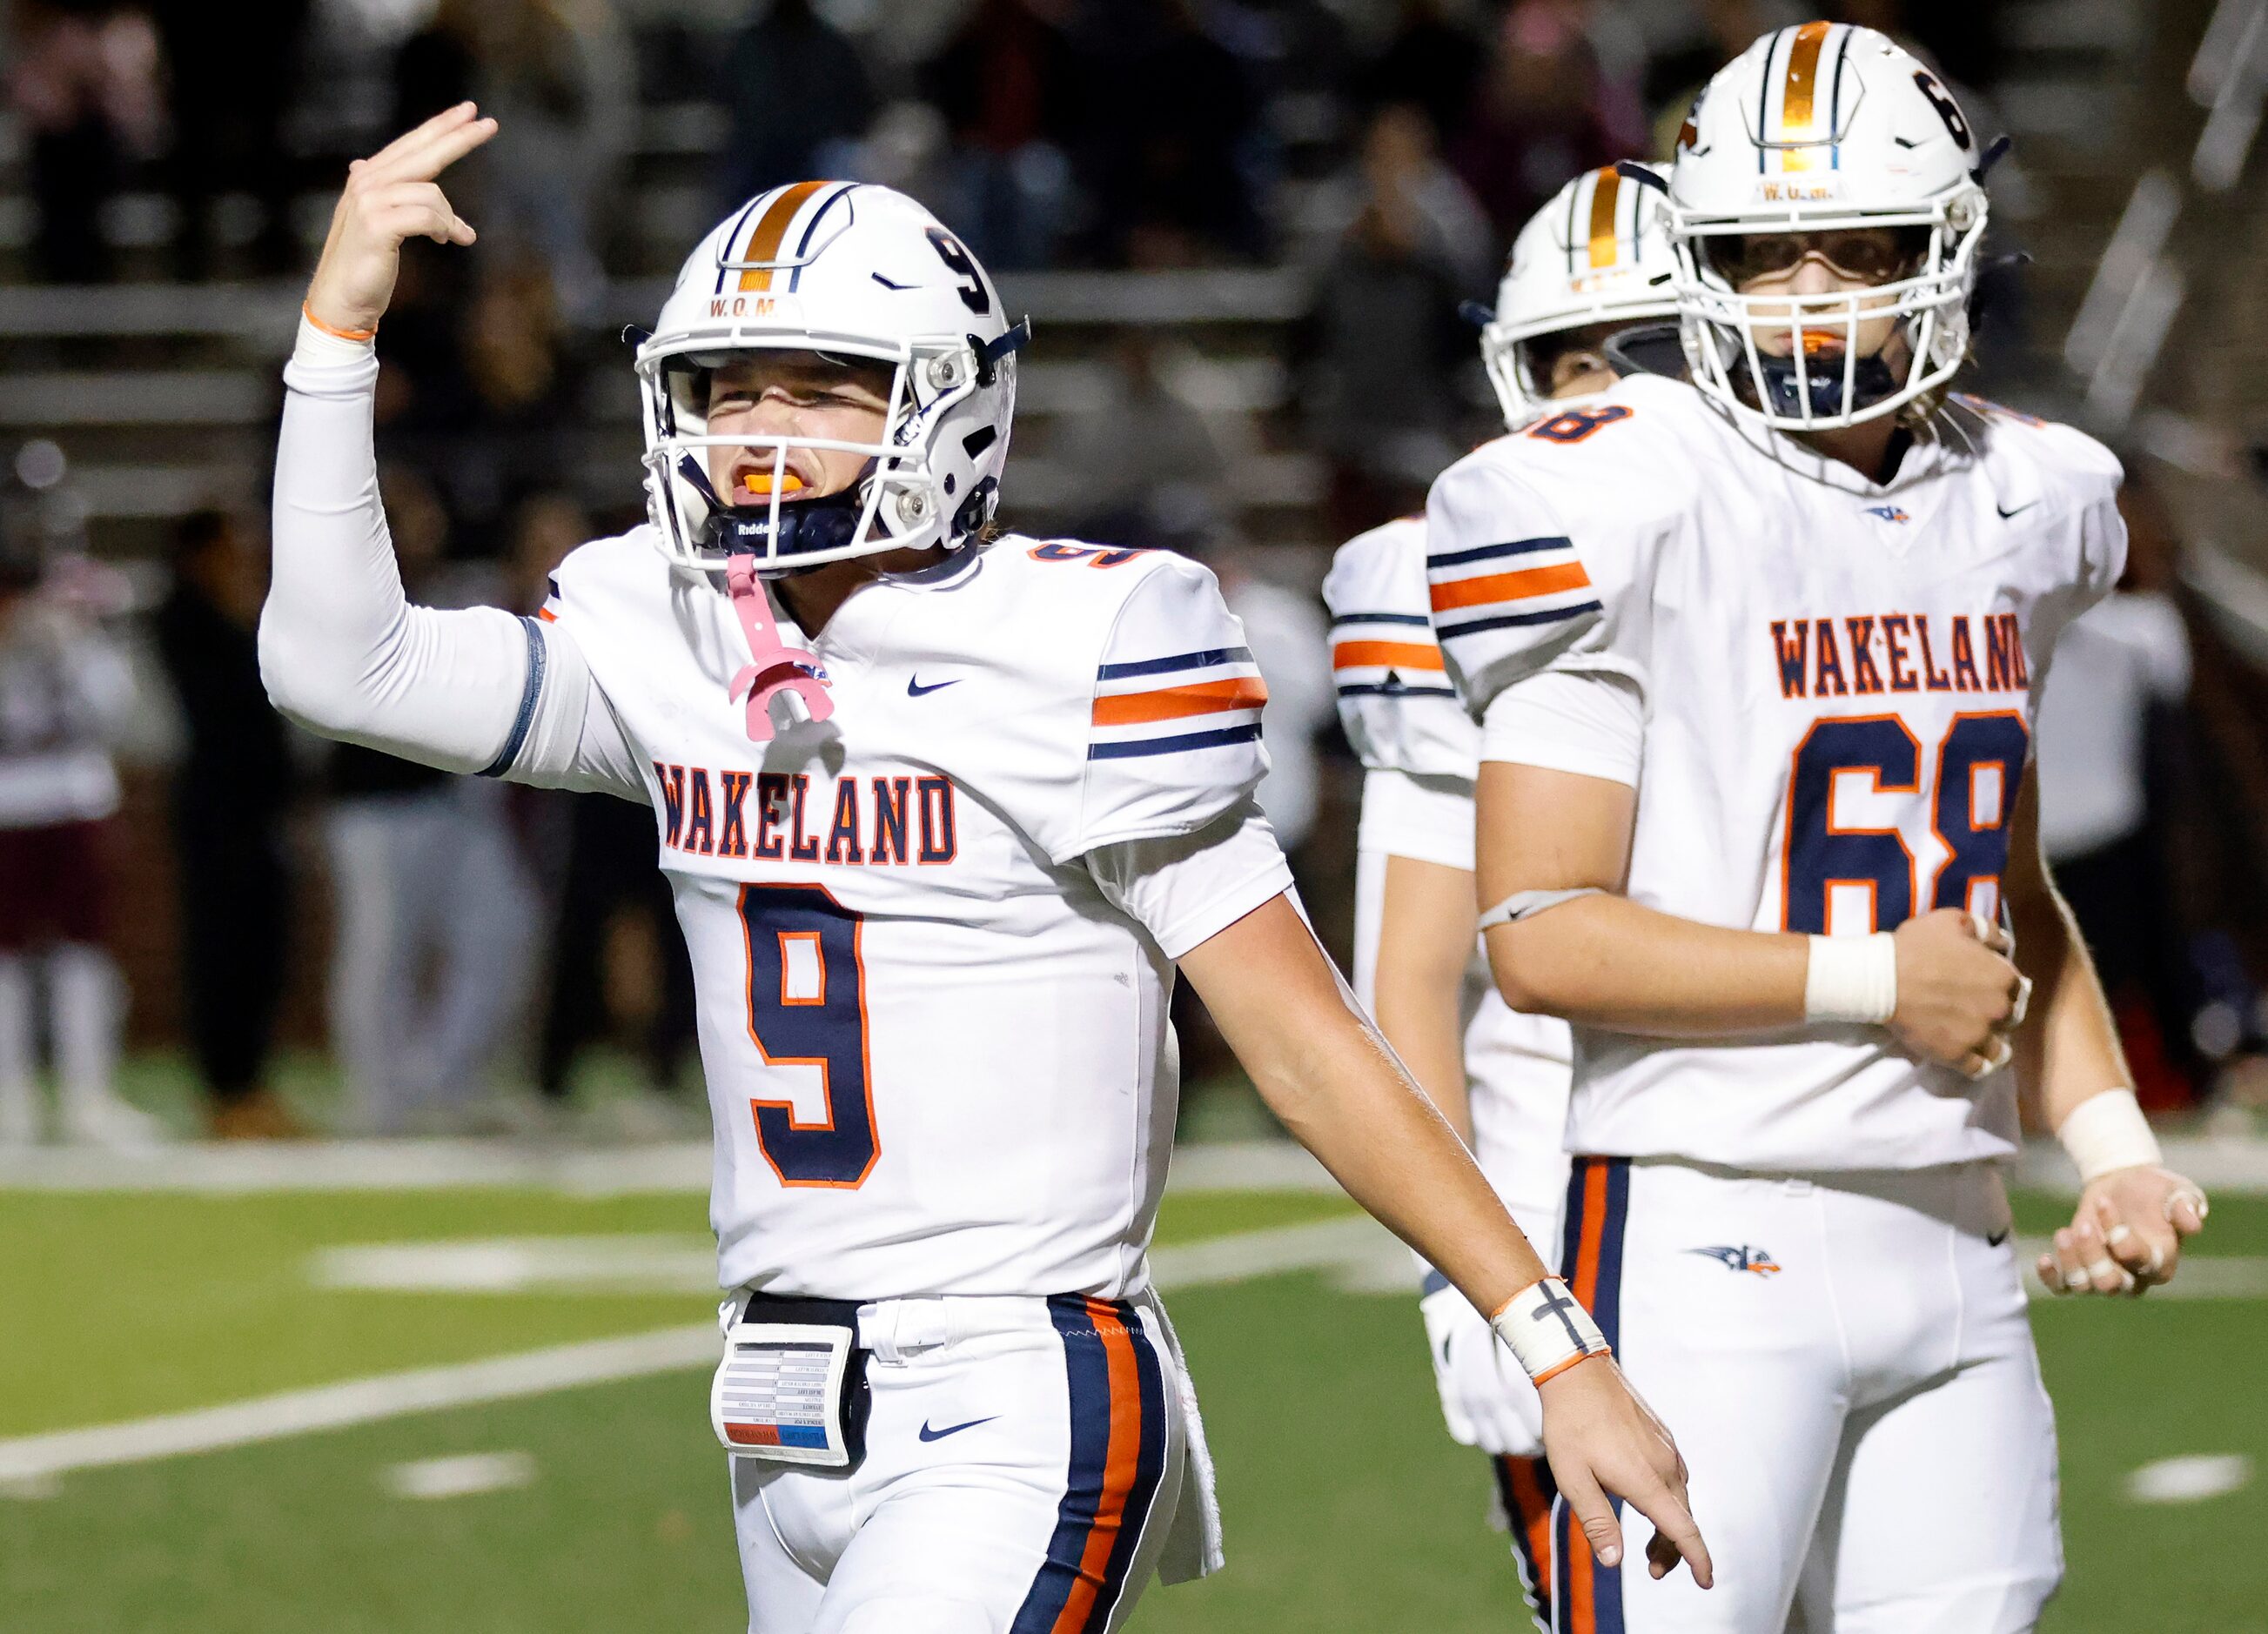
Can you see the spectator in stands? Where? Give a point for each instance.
(2121, 680)
(231, 792)
(793, 83)
(1379, 353)
(230, 88)
(605, 896)
(1168, 149)
(1150, 472)
(1545, 112)
(65, 693)
(1400, 158)
(1005, 84)
(82, 81)
(434, 914)
(1432, 60)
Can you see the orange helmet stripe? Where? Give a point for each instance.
(763, 244)
(1799, 99)
(1604, 192)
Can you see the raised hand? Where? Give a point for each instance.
(1958, 996)
(1603, 1440)
(2126, 1236)
(391, 196)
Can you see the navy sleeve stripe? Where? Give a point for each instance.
(1397, 690)
(1485, 553)
(1508, 620)
(1379, 618)
(528, 695)
(1181, 660)
(1219, 739)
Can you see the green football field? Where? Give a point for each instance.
(601, 1507)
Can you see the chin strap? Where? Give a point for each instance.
(776, 669)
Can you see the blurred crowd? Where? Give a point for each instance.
(472, 935)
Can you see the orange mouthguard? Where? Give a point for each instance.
(760, 482)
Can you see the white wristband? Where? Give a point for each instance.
(2108, 1131)
(1547, 1329)
(320, 349)
(1852, 978)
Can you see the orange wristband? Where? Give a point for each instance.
(343, 334)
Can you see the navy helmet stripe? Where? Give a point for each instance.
(1219, 739)
(1511, 548)
(1205, 660)
(729, 250)
(795, 276)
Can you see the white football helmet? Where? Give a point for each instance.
(1595, 253)
(1825, 128)
(849, 270)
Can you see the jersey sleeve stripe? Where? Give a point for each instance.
(1204, 697)
(1379, 618)
(1392, 689)
(1133, 748)
(528, 695)
(1449, 595)
(1489, 553)
(1378, 654)
(1511, 621)
(1205, 660)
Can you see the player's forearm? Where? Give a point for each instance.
(1423, 1023)
(1605, 961)
(1334, 1083)
(2067, 1049)
(1425, 941)
(342, 651)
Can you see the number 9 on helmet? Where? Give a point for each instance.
(849, 272)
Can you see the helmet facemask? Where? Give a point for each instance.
(899, 499)
(1923, 314)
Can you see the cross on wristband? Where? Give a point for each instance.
(1547, 1329)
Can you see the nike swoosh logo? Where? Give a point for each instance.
(1998, 1237)
(2006, 513)
(928, 1434)
(914, 689)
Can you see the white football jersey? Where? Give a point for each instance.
(1421, 753)
(1838, 682)
(937, 1054)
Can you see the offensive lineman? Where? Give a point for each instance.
(942, 811)
(1755, 667)
(1592, 262)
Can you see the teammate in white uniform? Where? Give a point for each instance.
(937, 844)
(1591, 264)
(1755, 667)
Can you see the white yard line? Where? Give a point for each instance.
(1357, 1244)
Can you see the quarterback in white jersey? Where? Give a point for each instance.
(943, 811)
(1755, 667)
(1592, 262)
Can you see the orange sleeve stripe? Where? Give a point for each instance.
(1400, 654)
(1532, 581)
(1201, 697)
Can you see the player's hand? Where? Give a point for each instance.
(2126, 1236)
(1959, 997)
(1604, 1442)
(391, 196)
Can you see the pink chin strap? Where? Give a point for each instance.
(776, 667)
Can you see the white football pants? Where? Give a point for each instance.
(1019, 1479)
(1845, 1363)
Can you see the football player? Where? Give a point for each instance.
(942, 810)
(1591, 264)
(1754, 666)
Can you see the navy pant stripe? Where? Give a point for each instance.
(1089, 1371)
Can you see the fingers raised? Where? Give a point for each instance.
(426, 153)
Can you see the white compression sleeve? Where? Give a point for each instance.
(342, 650)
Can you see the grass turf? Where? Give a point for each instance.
(1347, 1507)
